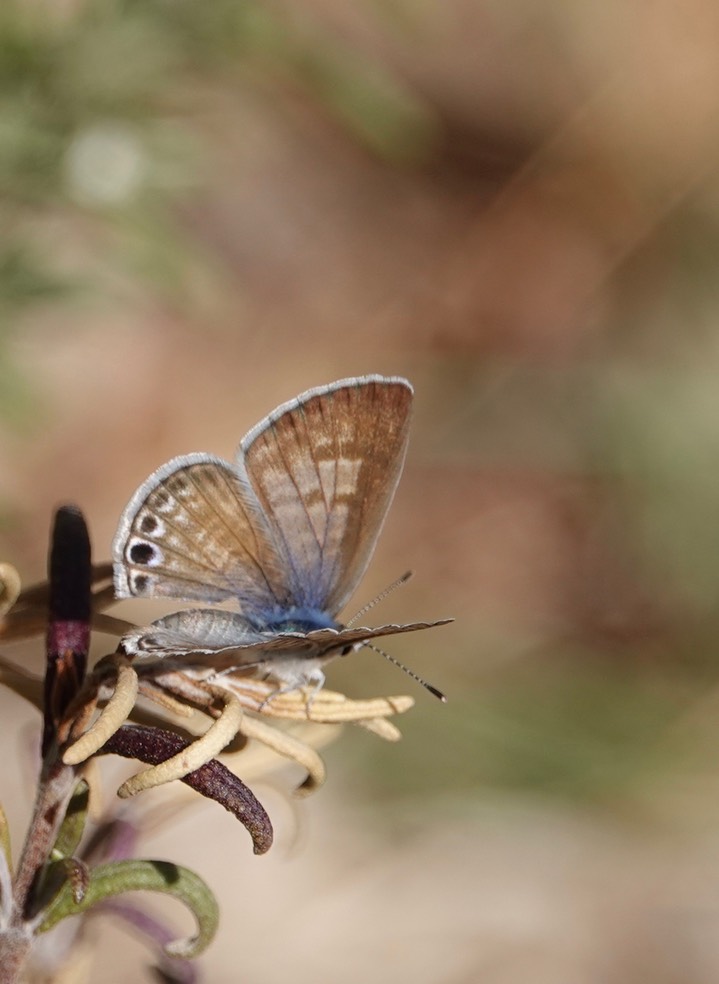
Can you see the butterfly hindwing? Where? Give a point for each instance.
(194, 530)
(227, 640)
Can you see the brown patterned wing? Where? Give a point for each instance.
(194, 530)
(324, 468)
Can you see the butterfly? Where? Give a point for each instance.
(287, 531)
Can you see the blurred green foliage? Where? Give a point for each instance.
(101, 104)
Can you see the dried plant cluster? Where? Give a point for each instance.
(95, 712)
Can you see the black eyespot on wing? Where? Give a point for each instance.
(140, 583)
(142, 553)
(148, 524)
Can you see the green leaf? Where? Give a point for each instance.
(119, 877)
(65, 870)
(5, 838)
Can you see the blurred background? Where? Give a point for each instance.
(207, 208)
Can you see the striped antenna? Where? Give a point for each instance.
(381, 596)
(411, 673)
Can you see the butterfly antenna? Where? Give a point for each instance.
(380, 597)
(406, 669)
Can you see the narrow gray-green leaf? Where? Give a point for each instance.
(5, 838)
(113, 879)
(63, 865)
(6, 895)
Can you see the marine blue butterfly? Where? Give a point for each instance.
(287, 531)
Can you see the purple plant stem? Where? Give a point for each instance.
(214, 780)
(68, 637)
(70, 610)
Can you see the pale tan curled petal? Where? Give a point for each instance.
(165, 700)
(10, 585)
(289, 747)
(21, 682)
(258, 760)
(203, 676)
(97, 806)
(28, 612)
(185, 686)
(217, 736)
(382, 728)
(112, 716)
(335, 708)
(323, 707)
(78, 716)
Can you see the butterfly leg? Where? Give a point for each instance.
(218, 674)
(315, 679)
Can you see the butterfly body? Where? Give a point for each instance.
(294, 620)
(286, 531)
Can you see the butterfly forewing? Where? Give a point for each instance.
(325, 468)
(195, 531)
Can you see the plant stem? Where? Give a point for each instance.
(54, 790)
